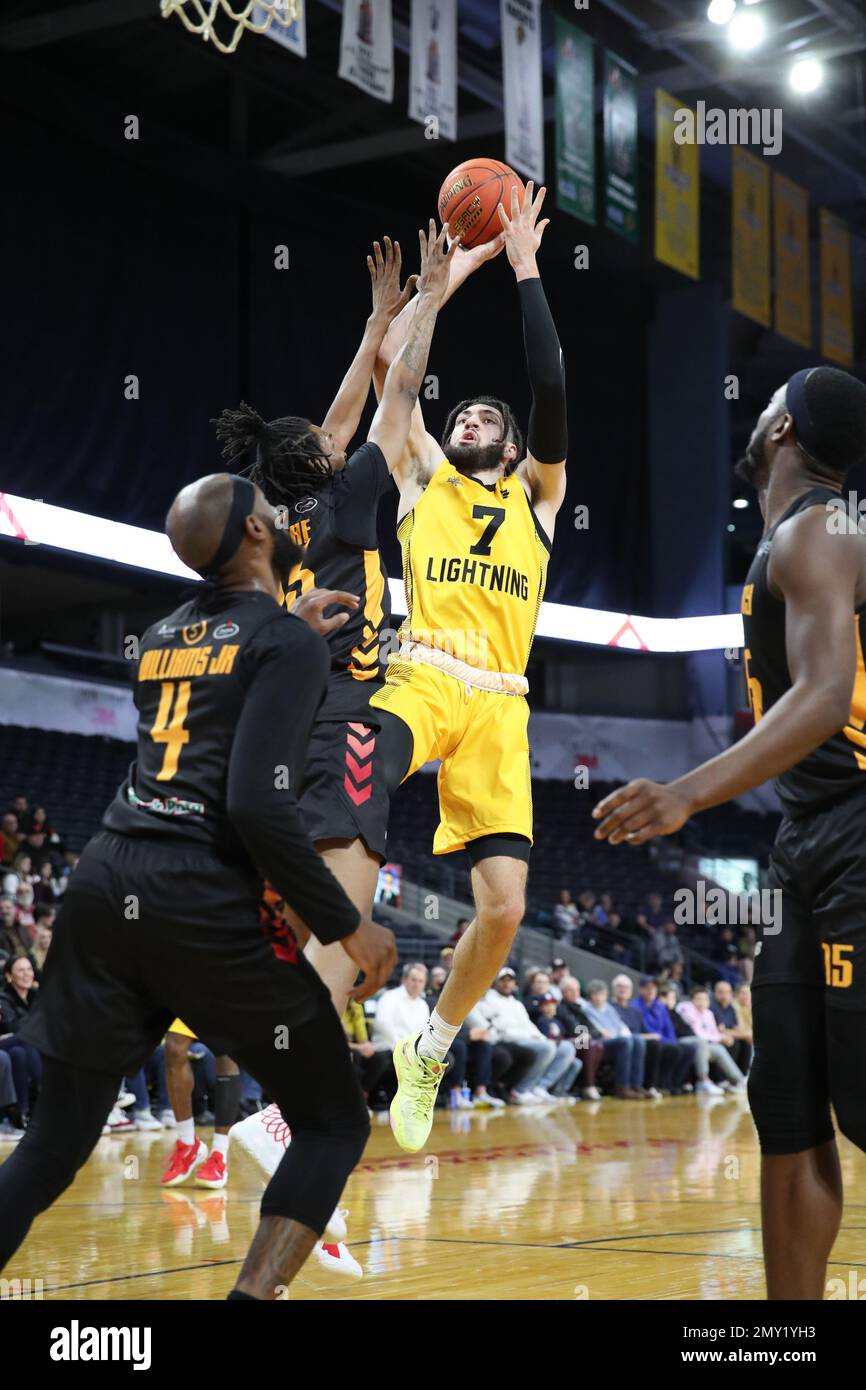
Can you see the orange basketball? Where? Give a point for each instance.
(470, 195)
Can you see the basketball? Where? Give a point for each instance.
(470, 195)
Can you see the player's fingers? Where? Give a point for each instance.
(515, 201)
(380, 264)
(339, 596)
(503, 217)
(331, 624)
(545, 222)
(398, 258)
(612, 822)
(389, 250)
(539, 199)
(423, 243)
(630, 826)
(371, 266)
(611, 802)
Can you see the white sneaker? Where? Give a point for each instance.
(523, 1098)
(336, 1257)
(464, 1104)
(167, 1119)
(118, 1120)
(566, 1100)
(544, 1096)
(708, 1088)
(8, 1133)
(265, 1136)
(124, 1100)
(144, 1120)
(591, 1093)
(655, 1093)
(484, 1098)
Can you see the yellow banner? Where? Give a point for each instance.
(750, 237)
(677, 189)
(837, 334)
(793, 295)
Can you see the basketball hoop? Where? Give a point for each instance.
(200, 17)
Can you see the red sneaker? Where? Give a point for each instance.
(213, 1173)
(182, 1161)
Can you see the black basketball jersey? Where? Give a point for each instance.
(194, 670)
(839, 764)
(337, 524)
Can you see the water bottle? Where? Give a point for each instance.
(465, 1093)
(453, 1097)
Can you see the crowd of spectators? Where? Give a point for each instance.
(647, 938)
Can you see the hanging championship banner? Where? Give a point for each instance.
(677, 189)
(620, 147)
(837, 335)
(575, 126)
(750, 236)
(521, 78)
(294, 37)
(793, 293)
(433, 67)
(367, 47)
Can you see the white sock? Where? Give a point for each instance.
(220, 1144)
(436, 1037)
(186, 1131)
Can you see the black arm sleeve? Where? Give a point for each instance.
(356, 496)
(265, 770)
(547, 437)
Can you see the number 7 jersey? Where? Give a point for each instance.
(474, 565)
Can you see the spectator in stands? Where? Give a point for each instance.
(24, 919)
(602, 910)
(8, 1101)
(462, 926)
(565, 917)
(486, 1062)
(446, 958)
(68, 867)
(666, 950)
(747, 943)
(736, 1038)
(21, 871)
(587, 1037)
(537, 985)
(37, 843)
(38, 822)
(9, 837)
(653, 913)
(721, 944)
(10, 942)
(743, 1007)
(370, 1065)
(699, 1016)
(557, 973)
(627, 1051)
(21, 807)
(43, 887)
(551, 1027)
(43, 933)
(676, 977)
(617, 950)
(16, 1000)
(510, 1024)
(438, 976)
(657, 1023)
(662, 1054)
(403, 1010)
(700, 1048)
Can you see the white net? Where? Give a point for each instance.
(232, 16)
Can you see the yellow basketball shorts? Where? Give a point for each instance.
(480, 736)
(179, 1027)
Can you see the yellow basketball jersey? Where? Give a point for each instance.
(474, 565)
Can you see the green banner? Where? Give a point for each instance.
(620, 147)
(575, 126)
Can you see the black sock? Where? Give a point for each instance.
(236, 1293)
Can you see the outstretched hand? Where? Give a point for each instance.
(636, 812)
(522, 230)
(436, 258)
(311, 607)
(384, 268)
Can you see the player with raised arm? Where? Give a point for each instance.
(475, 523)
(804, 616)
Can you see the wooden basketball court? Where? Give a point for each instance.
(617, 1199)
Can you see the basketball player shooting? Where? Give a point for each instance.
(226, 691)
(475, 523)
(804, 616)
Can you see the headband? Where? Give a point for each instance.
(243, 504)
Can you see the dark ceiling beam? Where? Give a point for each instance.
(843, 13)
(368, 148)
(56, 25)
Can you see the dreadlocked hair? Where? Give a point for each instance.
(283, 457)
(512, 429)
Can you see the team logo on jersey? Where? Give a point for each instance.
(225, 630)
(166, 630)
(306, 504)
(194, 632)
(455, 482)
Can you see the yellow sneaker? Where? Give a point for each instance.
(418, 1081)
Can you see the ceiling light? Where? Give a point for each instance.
(720, 11)
(746, 31)
(806, 75)
(740, 503)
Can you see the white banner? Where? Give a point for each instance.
(521, 80)
(367, 47)
(433, 67)
(70, 707)
(293, 37)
